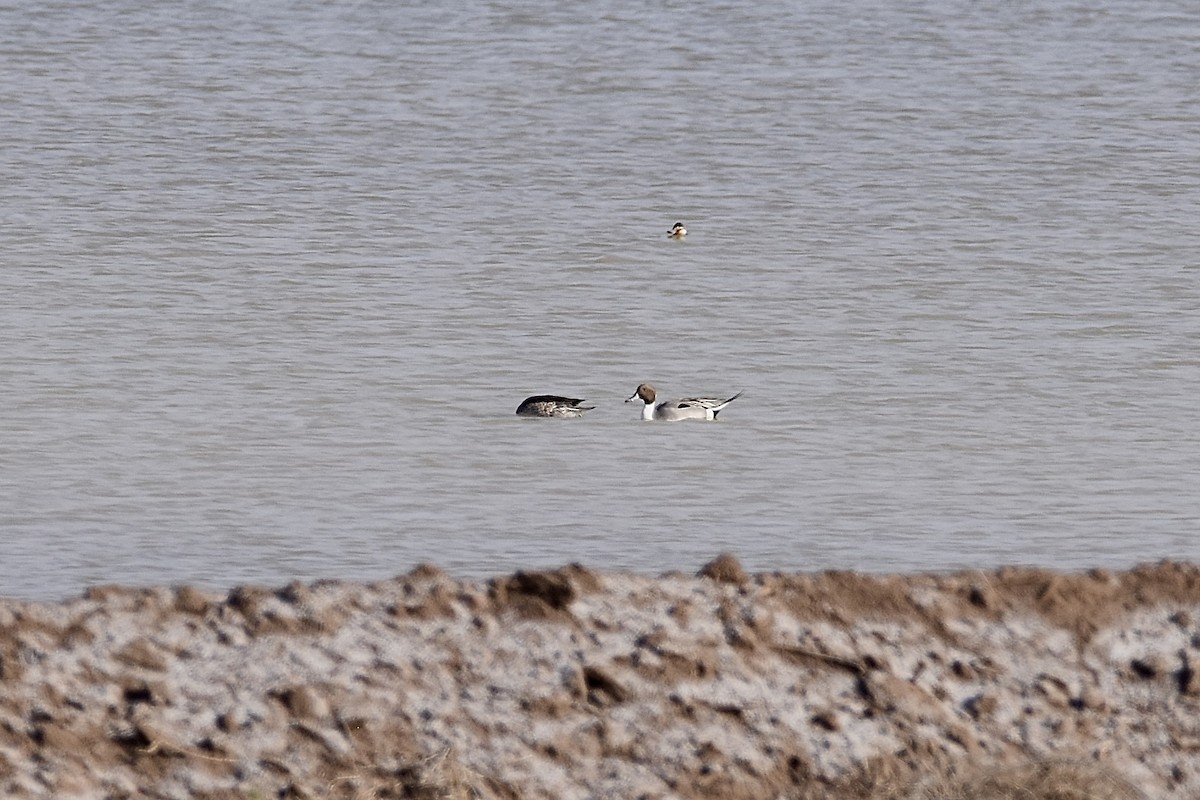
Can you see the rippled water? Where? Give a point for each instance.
(275, 278)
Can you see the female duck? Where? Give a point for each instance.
(551, 405)
(703, 408)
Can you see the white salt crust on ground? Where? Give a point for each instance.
(580, 684)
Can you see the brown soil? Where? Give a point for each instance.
(1017, 683)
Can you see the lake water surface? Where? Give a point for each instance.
(274, 277)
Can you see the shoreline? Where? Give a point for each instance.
(578, 683)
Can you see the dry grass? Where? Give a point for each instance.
(443, 777)
(440, 776)
(1050, 780)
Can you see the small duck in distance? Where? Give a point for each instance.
(551, 405)
(677, 231)
(700, 408)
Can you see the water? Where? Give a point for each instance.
(275, 278)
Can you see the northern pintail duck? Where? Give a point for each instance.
(677, 231)
(551, 405)
(705, 408)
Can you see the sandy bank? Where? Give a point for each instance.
(573, 684)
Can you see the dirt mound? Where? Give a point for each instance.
(571, 684)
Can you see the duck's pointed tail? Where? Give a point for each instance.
(719, 408)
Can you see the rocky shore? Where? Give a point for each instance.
(578, 684)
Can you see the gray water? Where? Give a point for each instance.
(275, 277)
